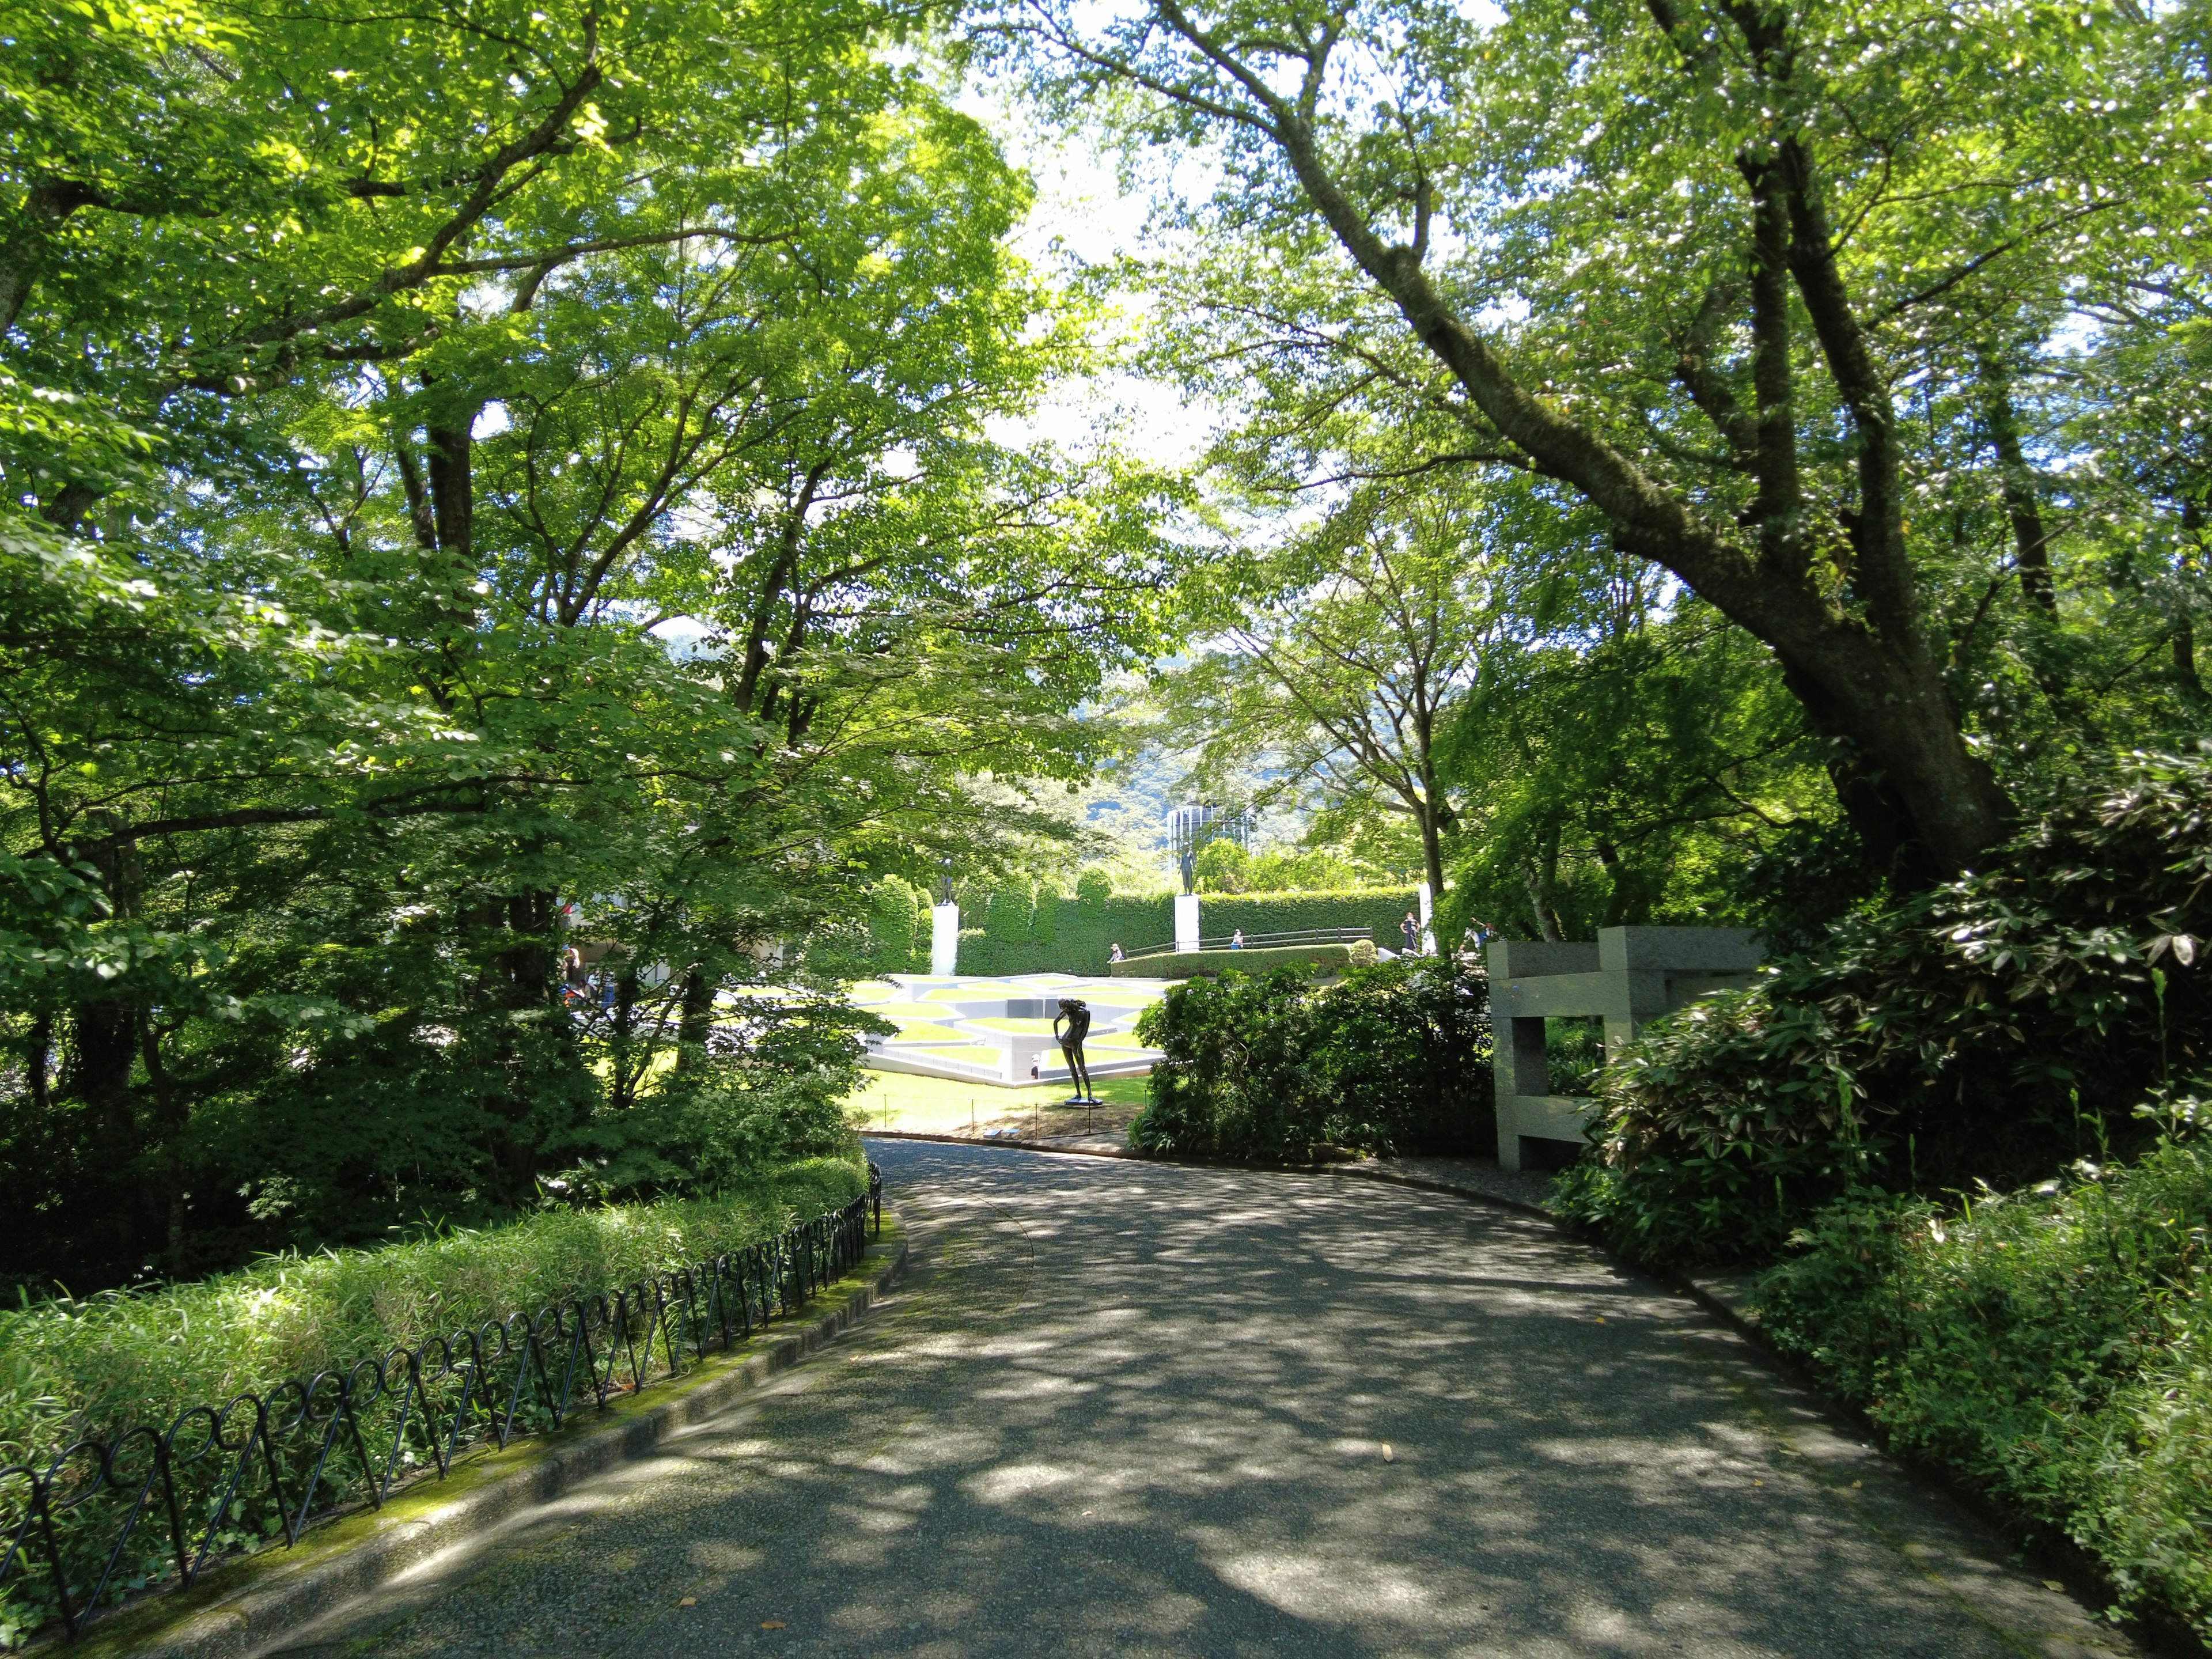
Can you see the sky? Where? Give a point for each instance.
(1082, 217)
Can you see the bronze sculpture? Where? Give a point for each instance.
(1069, 1027)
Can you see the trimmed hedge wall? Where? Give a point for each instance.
(1210, 964)
(1380, 909)
(1073, 935)
(1068, 935)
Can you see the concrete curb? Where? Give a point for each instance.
(242, 1609)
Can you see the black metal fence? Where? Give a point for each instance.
(150, 1507)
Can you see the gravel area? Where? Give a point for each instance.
(1129, 1408)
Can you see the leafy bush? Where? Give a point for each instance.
(754, 1099)
(1392, 1057)
(1208, 964)
(899, 926)
(1991, 1030)
(92, 1366)
(2054, 1345)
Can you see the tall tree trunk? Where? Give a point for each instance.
(694, 1020)
(1878, 685)
(2023, 504)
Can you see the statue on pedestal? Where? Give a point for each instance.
(1069, 1027)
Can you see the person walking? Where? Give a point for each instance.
(1410, 931)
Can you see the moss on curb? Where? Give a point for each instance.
(146, 1623)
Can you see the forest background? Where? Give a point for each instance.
(503, 476)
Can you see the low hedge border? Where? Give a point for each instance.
(227, 1361)
(1211, 964)
(240, 1608)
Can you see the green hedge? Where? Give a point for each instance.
(1379, 910)
(1211, 964)
(96, 1366)
(1063, 934)
(1068, 935)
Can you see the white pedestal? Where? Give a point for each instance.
(945, 940)
(1186, 921)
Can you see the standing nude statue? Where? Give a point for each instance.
(1069, 1027)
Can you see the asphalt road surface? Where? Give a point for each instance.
(1122, 1408)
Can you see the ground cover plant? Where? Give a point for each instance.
(2053, 1345)
(1274, 1066)
(1990, 1029)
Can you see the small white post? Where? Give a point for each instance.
(1428, 937)
(1186, 921)
(945, 940)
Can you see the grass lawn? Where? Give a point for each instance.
(948, 1106)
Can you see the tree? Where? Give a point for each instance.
(1687, 264)
(1344, 652)
(336, 698)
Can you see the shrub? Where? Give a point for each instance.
(1395, 1058)
(1008, 917)
(761, 1092)
(897, 916)
(1991, 1030)
(70, 1367)
(1378, 909)
(94, 1368)
(1207, 964)
(2053, 1345)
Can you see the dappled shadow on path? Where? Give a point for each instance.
(1133, 1409)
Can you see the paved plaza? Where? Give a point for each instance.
(1120, 1408)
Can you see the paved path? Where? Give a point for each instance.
(1120, 1408)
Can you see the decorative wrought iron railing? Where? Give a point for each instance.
(151, 1508)
(1261, 941)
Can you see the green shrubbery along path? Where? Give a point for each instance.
(121, 1366)
(1993, 1029)
(2053, 1345)
(1272, 1066)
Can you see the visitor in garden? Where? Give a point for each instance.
(1114, 952)
(1410, 931)
(1236, 940)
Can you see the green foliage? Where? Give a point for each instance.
(1012, 912)
(1393, 1058)
(1210, 964)
(100, 1363)
(898, 924)
(1093, 889)
(1083, 931)
(96, 1366)
(350, 443)
(1378, 909)
(1989, 1030)
(1614, 779)
(1222, 866)
(2054, 1345)
(1075, 935)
